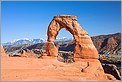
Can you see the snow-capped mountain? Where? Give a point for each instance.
(24, 41)
(34, 41)
(63, 39)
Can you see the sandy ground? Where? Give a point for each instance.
(21, 68)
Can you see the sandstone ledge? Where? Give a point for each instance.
(50, 69)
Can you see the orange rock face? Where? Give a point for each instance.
(110, 77)
(3, 51)
(84, 47)
(51, 49)
(47, 69)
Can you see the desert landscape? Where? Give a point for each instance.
(85, 58)
(47, 69)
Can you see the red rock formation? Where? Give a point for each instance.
(109, 43)
(84, 47)
(51, 49)
(3, 51)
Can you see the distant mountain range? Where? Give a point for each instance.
(24, 41)
(33, 41)
(105, 44)
(110, 43)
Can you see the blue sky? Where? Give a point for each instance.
(31, 19)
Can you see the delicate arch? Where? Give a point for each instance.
(84, 47)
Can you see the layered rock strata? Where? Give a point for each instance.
(84, 47)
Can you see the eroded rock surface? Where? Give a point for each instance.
(48, 69)
(84, 47)
(112, 69)
(3, 51)
(51, 49)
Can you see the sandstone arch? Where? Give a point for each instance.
(84, 47)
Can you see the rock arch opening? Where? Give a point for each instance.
(65, 45)
(84, 47)
(64, 34)
(64, 41)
